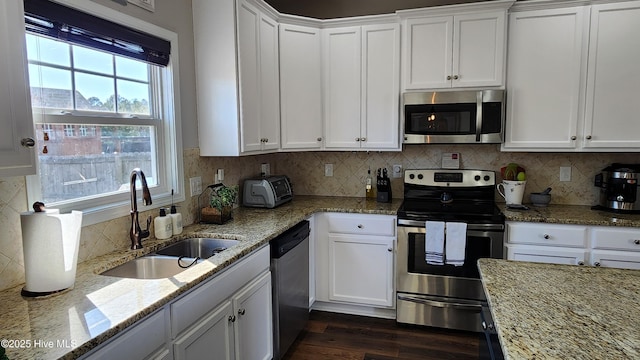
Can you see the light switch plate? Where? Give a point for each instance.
(397, 171)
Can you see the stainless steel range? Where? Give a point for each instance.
(446, 295)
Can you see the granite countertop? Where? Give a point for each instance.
(99, 307)
(570, 214)
(547, 311)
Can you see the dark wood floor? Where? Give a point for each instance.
(349, 337)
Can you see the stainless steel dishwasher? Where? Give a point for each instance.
(290, 281)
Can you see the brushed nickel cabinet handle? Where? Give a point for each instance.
(448, 77)
(363, 139)
(596, 264)
(456, 77)
(28, 142)
(636, 241)
(232, 318)
(357, 139)
(588, 137)
(319, 139)
(573, 137)
(360, 226)
(546, 236)
(241, 311)
(580, 262)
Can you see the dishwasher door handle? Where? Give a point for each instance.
(441, 304)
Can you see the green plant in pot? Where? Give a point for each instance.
(221, 204)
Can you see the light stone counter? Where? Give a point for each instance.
(546, 311)
(570, 214)
(99, 307)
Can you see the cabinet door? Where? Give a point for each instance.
(380, 86)
(15, 101)
(145, 340)
(269, 84)
(613, 85)
(248, 58)
(543, 81)
(478, 49)
(210, 338)
(361, 269)
(342, 78)
(300, 87)
(547, 254)
(616, 259)
(253, 324)
(428, 57)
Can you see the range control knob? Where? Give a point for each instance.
(420, 176)
(487, 178)
(411, 176)
(476, 178)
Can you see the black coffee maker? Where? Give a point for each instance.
(618, 185)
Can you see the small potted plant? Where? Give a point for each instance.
(221, 203)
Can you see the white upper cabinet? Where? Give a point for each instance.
(237, 78)
(15, 104)
(613, 79)
(544, 74)
(361, 87)
(454, 51)
(572, 84)
(300, 87)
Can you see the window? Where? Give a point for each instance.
(99, 112)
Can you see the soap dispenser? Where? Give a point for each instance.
(162, 225)
(176, 220)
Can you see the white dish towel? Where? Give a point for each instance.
(456, 243)
(434, 242)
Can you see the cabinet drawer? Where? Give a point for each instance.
(547, 254)
(547, 234)
(607, 237)
(381, 225)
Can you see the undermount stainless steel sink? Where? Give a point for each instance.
(151, 267)
(171, 260)
(203, 248)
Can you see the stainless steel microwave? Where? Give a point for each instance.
(462, 117)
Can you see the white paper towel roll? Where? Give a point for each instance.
(50, 243)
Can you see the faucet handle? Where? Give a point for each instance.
(145, 233)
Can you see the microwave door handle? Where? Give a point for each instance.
(478, 115)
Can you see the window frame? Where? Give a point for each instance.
(168, 152)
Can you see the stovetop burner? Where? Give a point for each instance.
(450, 195)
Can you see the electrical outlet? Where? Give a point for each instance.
(195, 183)
(397, 171)
(328, 169)
(220, 175)
(265, 169)
(565, 173)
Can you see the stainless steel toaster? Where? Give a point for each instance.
(267, 192)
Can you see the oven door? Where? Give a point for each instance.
(414, 275)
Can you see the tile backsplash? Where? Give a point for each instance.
(306, 170)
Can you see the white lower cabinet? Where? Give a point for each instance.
(355, 259)
(360, 269)
(606, 246)
(213, 334)
(239, 328)
(148, 339)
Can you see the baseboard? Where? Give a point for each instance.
(354, 309)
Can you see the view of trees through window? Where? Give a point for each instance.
(100, 90)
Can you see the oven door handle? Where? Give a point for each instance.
(441, 304)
